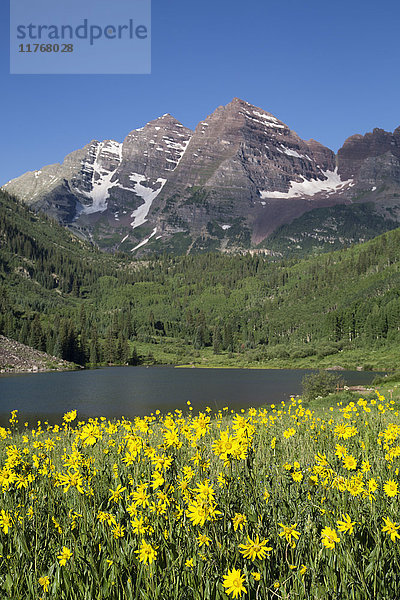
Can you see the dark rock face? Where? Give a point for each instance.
(359, 150)
(227, 185)
(373, 162)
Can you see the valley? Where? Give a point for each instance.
(61, 295)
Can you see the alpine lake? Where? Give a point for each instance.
(114, 392)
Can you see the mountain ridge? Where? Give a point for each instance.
(226, 185)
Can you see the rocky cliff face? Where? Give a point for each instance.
(229, 184)
(360, 152)
(16, 357)
(373, 162)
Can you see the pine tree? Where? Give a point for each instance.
(217, 340)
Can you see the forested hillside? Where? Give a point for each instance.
(60, 295)
(327, 229)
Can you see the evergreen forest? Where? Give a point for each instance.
(62, 295)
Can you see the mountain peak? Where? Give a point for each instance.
(167, 119)
(237, 100)
(241, 174)
(239, 104)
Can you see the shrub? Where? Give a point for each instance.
(320, 384)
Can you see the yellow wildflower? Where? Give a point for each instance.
(239, 521)
(390, 488)
(255, 548)
(64, 556)
(146, 553)
(391, 529)
(346, 525)
(233, 583)
(203, 540)
(116, 494)
(5, 521)
(44, 582)
(329, 537)
(289, 532)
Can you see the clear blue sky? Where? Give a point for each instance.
(327, 69)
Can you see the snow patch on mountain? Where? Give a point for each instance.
(112, 147)
(101, 177)
(290, 152)
(272, 121)
(147, 194)
(175, 145)
(143, 242)
(185, 145)
(331, 184)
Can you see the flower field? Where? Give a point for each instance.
(268, 503)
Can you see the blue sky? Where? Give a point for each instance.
(327, 69)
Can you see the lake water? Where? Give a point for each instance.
(131, 391)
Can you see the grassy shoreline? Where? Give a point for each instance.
(168, 352)
(162, 350)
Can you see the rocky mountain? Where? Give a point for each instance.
(239, 177)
